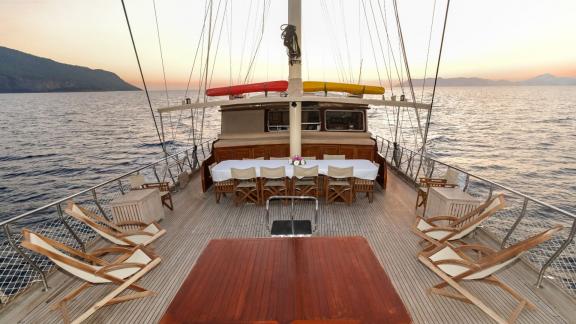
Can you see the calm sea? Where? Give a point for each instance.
(52, 145)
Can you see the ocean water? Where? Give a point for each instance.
(55, 144)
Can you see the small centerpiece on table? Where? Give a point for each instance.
(297, 160)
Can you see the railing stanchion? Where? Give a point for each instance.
(61, 215)
(431, 175)
(557, 253)
(195, 156)
(24, 256)
(387, 149)
(119, 187)
(98, 203)
(516, 222)
(490, 191)
(466, 182)
(409, 163)
(156, 173)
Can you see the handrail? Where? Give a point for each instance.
(395, 163)
(562, 211)
(59, 201)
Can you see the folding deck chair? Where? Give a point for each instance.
(129, 267)
(435, 233)
(146, 234)
(453, 266)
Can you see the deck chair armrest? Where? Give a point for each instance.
(459, 262)
(119, 266)
(162, 186)
(441, 218)
(476, 247)
(130, 233)
(425, 181)
(110, 249)
(131, 222)
(440, 228)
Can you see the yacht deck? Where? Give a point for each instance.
(385, 223)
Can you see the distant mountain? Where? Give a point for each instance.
(21, 72)
(541, 80)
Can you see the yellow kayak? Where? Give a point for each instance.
(355, 89)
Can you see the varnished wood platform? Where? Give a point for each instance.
(287, 279)
(385, 223)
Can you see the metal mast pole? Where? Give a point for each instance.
(295, 83)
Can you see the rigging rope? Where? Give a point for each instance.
(196, 53)
(428, 53)
(265, 8)
(291, 42)
(161, 54)
(142, 76)
(207, 63)
(407, 66)
(371, 44)
(435, 79)
(390, 50)
(381, 49)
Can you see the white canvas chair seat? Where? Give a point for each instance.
(146, 234)
(305, 181)
(334, 157)
(435, 230)
(307, 158)
(246, 184)
(339, 184)
(274, 183)
(246, 188)
(129, 267)
(454, 266)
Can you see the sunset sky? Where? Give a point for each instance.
(494, 39)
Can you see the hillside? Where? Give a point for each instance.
(541, 80)
(21, 72)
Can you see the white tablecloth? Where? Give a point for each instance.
(363, 169)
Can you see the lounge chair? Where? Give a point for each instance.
(144, 235)
(432, 230)
(453, 266)
(129, 267)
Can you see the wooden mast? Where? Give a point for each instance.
(295, 83)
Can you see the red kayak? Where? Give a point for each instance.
(279, 86)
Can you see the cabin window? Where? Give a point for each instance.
(310, 120)
(279, 120)
(344, 120)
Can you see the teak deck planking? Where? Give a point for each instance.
(385, 223)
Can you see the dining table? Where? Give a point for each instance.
(362, 169)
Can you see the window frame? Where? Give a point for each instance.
(275, 127)
(363, 112)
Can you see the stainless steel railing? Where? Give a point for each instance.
(524, 215)
(20, 269)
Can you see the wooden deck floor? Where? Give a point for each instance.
(385, 224)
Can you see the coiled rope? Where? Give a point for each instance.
(291, 42)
